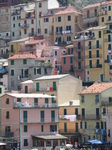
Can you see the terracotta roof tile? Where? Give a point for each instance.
(25, 56)
(96, 88)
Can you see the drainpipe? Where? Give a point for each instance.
(20, 128)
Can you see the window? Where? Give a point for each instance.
(65, 112)
(7, 114)
(24, 116)
(42, 116)
(59, 19)
(87, 79)
(68, 28)
(108, 132)
(45, 31)
(13, 25)
(18, 99)
(104, 111)
(79, 45)
(25, 128)
(24, 61)
(14, 18)
(54, 86)
(99, 34)
(52, 99)
(102, 19)
(40, 5)
(46, 19)
(71, 50)
(69, 18)
(81, 125)
(46, 101)
(55, 53)
(85, 125)
(42, 128)
(111, 67)
(82, 98)
(37, 71)
(108, 119)
(40, 13)
(20, 33)
(18, 24)
(76, 111)
(36, 101)
(52, 116)
(12, 72)
(97, 125)
(96, 98)
(25, 31)
(76, 127)
(65, 127)
(12, 50)
(25, 142)
(109, 8)
(13, 34)
(7, 130)
(7, 101)
(109, 18)
(32, 21)
(53, 128)
(12, 62)
(37, 86)
(0, 90)
(12, 1)
(71, 60)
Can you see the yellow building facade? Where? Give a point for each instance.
(67, 127)
(92, 120)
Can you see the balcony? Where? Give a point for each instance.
(65, 54)
(64, 32)
(34, 105)
(23, 26)
(15, 12)
(108, 40)
(32, 34)
(6, 38)
(89, 117)
(22, 49)
(79, 58)
(78, 48)
(68, 131)
(5, 55)
(63, 43)
(25, 76)
(108, 21)
(108, 31)
(94, 66)
(92, 47)
(93, 56)
(79, 68)
(8, 134)
(40, 64)
(39, 120)
(91, 15)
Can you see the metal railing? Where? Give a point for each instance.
(108, 40)
(78, 48)
(78, 68)
(24, 25)
(93, 56)
(92, 47)
(93, 66)
(91, 15)
(8, 134)
(78, 58)
(89, 117)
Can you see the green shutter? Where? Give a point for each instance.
(52, 116)
(25, 128)
(46, 100)
(25, 142)
(52, 99)
(37, 86)
(35, 71)
(76, 127)
(36, 102)
(12, 62)
(18, 99)
(7, 114)
(12, 72)
(26, 89)
(7, 101)
(54, 85)
(42, 116)
(25, 116)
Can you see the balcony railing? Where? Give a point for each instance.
(91, 15)
(93, 56)
(89, 117)
(8, 134)
(79, 68)
(109, 21)
(78, 58)
(47, 64)
(22, 49)
(69, 130)
(63, 43)
(78, 48)
(39, 120)
(108, 31)
(94, 66)
(32, 34)
(24, 25)
(17, 12)
(108, 40)
(34, 105)
(92, 47)
(65, 32)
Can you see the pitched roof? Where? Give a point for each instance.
(96, 88)
(51, 77)
(25, 56)
(92, 6)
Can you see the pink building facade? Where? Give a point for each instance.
(53, 54)
(27, 117)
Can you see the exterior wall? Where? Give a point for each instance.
(5, 81)
(4, 49)
(68, 89)
(79, 72)
(94, 72)
(32, 123)
(15, 81)
(8, 3)
(92, 18)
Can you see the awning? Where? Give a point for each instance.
(3, 144)
(50, 137)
